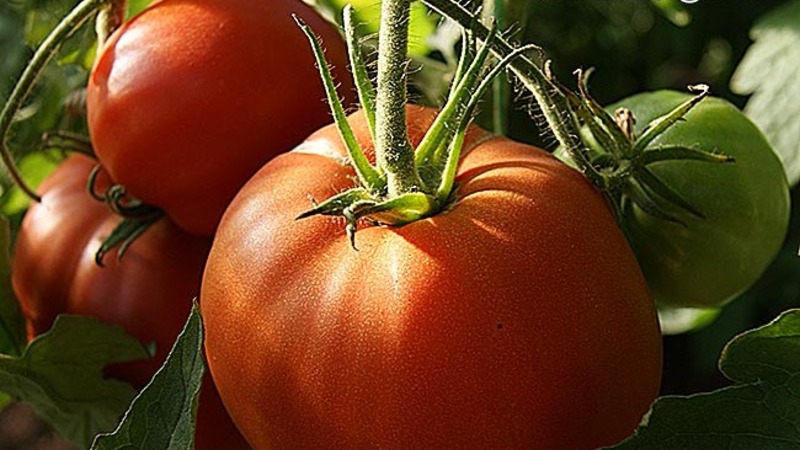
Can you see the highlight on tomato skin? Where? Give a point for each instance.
(189, 98)
(517, 318)
(149, 292)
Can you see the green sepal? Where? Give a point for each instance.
(368, 175)
(68, 140)
(453, 149)
(438, 131)
(399, 210)
(464, 60)
(654, 185)
(124, 234)
(364, 87)
(663, 123)
(602, 125)
(669, 153)
(645, 201)
(336, 205)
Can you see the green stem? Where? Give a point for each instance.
(109, 19)
(554, 106)
(367, 174)
(438, 130)
(366, 92)
(48, 48)
(393, 152)
(496, 10)
(454, 150)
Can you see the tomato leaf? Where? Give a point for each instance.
(12, 323)
(60, 374)
(769, 72)
(163, 414)
(761, 410)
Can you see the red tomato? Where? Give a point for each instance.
(518, 318)
(188, 99)
(149, 293)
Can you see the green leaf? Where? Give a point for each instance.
(769, 71)
(12, 323)
(60, 374)
(761, 410)
(163, 415)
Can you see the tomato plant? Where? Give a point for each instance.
(149, 292)
(707, 261)
(514, 318)
(189, 98)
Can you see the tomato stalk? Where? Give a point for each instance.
(405, 184)
(496, 10)
(393, 151)
(603, 148)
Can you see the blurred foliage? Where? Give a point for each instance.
(770, 72)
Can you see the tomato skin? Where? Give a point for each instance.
(188, 99)
(516, 319)
(149, 292)
(710, 261)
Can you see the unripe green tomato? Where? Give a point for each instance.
(707, 262)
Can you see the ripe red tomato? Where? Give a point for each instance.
(149, 293)
(188, 99)
(518, 318)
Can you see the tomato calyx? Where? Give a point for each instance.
(601, 146)
(621, 160)
(137, 216)
(405, 184)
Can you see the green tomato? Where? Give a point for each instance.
(706, 262)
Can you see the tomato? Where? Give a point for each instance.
(149, 292)
(518, 318)
(710, 261)
(188, 99)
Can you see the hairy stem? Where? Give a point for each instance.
(553, 104)
(496, 10)
(393, 151)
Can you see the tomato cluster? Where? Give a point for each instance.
(515, 315)
(185, 101)
(149, 292)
